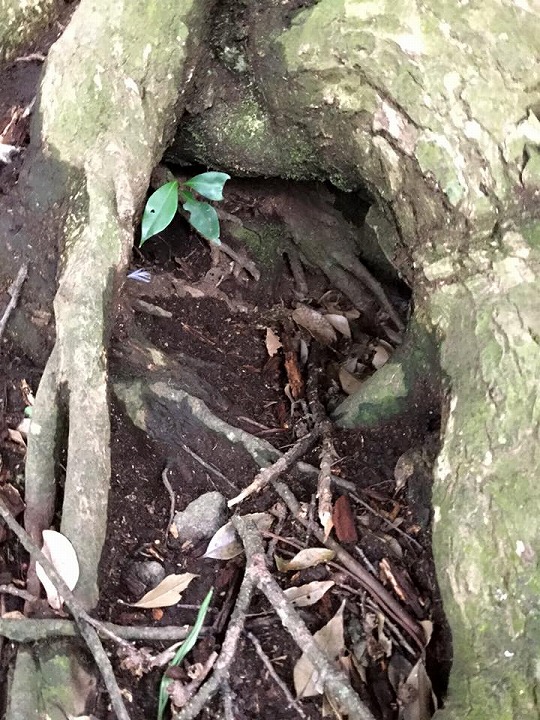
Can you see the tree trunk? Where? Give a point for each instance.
(431, 111)
(428, 109)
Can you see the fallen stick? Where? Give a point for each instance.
(14, 290)
(368, 582)
(268, 474)
(83, 620)
(333, 679)
(227, 654)
(29, 630)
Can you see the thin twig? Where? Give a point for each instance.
(227, 654)
(207, 466)
(371, 584)
(281, 465)
(172, 496)
(17, 592)
(14, 290)
(275, 677)
(36, 629)
(83, 620)
(333, 679)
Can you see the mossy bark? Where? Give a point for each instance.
(428, 107)
(22, 21)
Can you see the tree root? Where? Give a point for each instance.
(84, 622)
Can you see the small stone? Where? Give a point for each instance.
(143, 576)
(202, 518)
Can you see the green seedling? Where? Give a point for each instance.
(181, 653)
(162, 205)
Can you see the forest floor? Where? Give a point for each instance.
(270, 368)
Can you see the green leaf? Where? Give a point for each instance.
(182, 651)
(159, 211)
(209, 184)
(203, 217)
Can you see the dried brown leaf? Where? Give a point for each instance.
(349, 383)
(331, 641)
(167, 593)
(273, 343)
(226, 544)
(416, 695)
(61, 553)
(344, 520)
(315, 323)
(339, 323)
(309, 594)
(382, 355)
(305, 559)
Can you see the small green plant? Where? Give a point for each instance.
(181, 653)
(162, 205)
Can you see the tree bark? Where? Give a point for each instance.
(427, 108)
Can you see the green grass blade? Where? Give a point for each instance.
(182, 651)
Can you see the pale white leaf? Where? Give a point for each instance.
(167, 593)
(381, 356)
(273, 343)
(304, 352)
(308, 594)
(305, 559)
(226, 544)
(331, 641)
(340, 323)
(16, 437)
(24, 426)
(315, 323)
(61, 554)
(349, 383)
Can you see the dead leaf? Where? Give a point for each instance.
(16, 437)
(14, 615)
(61, 553)
(273, 343)
(167, 593)
(340, 323)
(344, 520)
(382, 355)
(12, 498)
(331, 641)
(315, 323)
(416, 695)
(304, 559)
(349, 383)
(226, 544)
(309, 594)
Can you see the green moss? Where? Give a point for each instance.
(266, 242)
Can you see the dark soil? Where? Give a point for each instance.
(224, 336)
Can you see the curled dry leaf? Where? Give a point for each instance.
(167, 593)
(273, 343)
(382, 354)
(61, 553)
(340, 323)
(309, 594)
(331, 641)
(305, 559)
(226, 544)
(349, 383)
(315, 323)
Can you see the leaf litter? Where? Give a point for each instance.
(373, 468)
